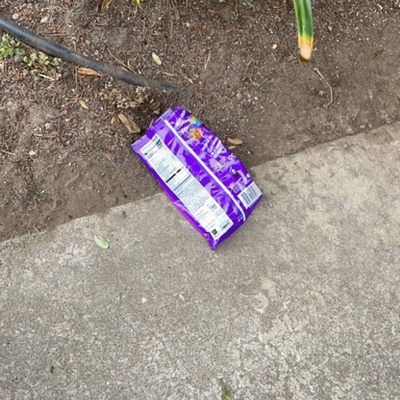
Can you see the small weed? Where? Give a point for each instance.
(10, 47)
(39, 64)
(225, 393)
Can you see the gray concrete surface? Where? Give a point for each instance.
(301, 303)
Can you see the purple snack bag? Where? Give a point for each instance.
(202, 178)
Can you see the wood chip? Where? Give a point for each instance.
(234, 142)
(89, 72)
(105, 4)
(129, 124)
(83, 104)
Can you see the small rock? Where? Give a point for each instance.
(274, 46)
(15, 16)
(44, 20)
(32, 153)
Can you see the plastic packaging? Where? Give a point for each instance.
(202, 178)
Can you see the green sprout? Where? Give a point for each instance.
(39, 64)
(10, 47)
(41, 59)
(30, 59)
(225, 393)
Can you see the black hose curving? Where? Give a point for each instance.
(55, 50)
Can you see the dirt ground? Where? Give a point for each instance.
(64, 152)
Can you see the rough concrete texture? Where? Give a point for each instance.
(301, 303)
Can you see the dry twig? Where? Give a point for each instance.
(329, 86)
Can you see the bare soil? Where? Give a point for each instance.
(64, 152)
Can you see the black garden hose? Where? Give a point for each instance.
(55, 50)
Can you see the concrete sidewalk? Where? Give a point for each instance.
(301, 303)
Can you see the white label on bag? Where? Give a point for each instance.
(203, 207)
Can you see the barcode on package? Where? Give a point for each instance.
(250, 195)
(186, 187)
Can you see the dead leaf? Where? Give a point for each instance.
(89, 72)
(155, 105)
(234, 142)
(83, 104)
(105, 4)
(129, 124)
(101, 242)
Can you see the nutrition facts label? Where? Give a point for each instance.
(201, 205)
